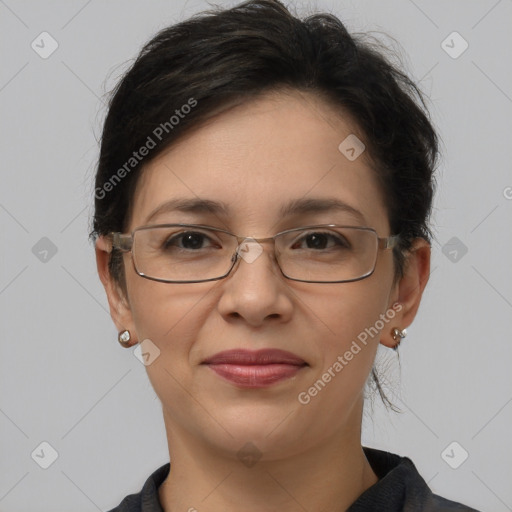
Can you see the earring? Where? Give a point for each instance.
(398, 335)
(124, 338)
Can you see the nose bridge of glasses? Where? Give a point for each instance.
(250, 248)
(241, 239)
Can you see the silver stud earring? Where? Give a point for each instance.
(124, 338)
(398, 335)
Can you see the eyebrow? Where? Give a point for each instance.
(295, 207)
(319, 205)
(195, 205)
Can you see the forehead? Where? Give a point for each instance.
(261, 155)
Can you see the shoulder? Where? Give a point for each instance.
(400, 488)
(437, 503)
(130, 503)
(147, 499)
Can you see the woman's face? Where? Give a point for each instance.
(256, 159)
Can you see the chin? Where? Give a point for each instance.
(273, 429)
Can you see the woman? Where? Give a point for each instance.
(261, 224)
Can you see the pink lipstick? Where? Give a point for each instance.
(255, 369)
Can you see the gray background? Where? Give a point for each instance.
(65, 380)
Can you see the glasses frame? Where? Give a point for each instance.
(124, 243)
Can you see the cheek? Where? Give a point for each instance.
(335, 324)
(347, 310)
(171, 316)
(348, 324)
(168, 314)
(174, 317)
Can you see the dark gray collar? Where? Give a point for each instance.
(400, 489)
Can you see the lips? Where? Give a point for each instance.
(259, 357)
(255, 369)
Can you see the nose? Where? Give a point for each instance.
(256, 291)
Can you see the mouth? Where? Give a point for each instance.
(255, 369)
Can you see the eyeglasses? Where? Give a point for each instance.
(191, 253)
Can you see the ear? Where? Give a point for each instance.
(119, 306)
(409, 289)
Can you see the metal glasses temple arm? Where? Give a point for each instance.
(389, 242)
(122, 242)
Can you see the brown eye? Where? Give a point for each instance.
(322, 241)
(189, 240)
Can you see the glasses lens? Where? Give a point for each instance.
(327, 254)
(316, 254)
(182, 253)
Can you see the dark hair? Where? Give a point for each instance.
(202, 66)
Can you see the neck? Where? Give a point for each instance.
(330, 476)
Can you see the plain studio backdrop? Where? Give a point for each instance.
(72, 399)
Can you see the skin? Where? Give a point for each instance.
(255, 158)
